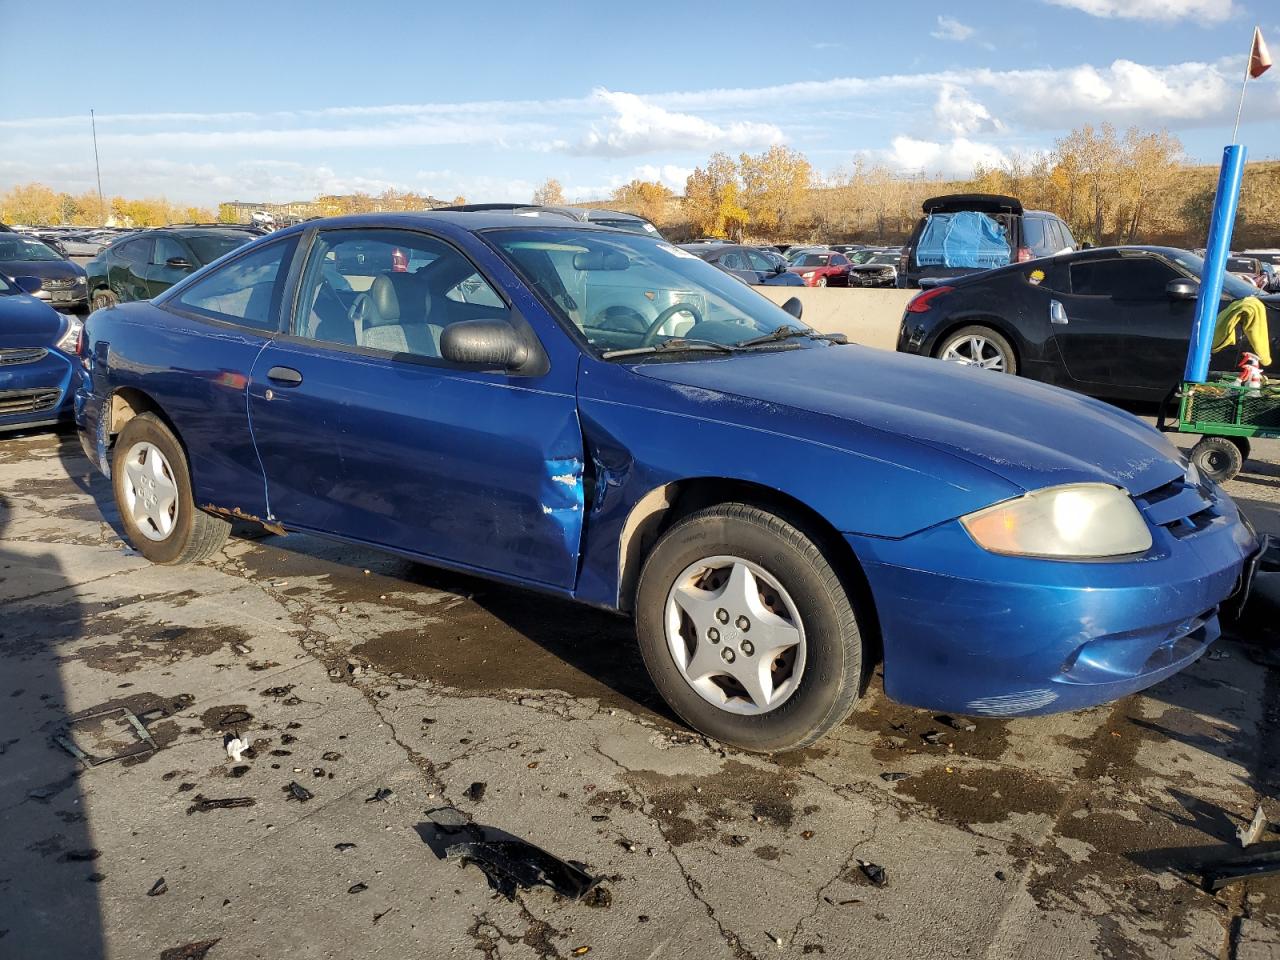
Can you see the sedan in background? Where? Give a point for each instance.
(821, 269)
(142, 265)
(873, 268)
(37, 366)
(757, 267)
(62, 283)
(1112, 322)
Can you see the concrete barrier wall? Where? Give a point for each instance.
(867, 316)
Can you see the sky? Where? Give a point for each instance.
(273, 100)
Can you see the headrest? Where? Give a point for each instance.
(385, 301)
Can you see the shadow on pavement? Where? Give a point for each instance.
(49, 870)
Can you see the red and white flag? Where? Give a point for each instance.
(1259, 55)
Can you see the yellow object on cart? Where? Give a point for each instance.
(1249, 314)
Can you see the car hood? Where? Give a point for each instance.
(44, 269)
(28, 322)
(1029, 434)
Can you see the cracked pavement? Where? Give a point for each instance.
(1065, 836)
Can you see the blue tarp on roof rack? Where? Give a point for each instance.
(966, 239)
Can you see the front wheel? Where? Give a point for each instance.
(747, 630)
(152, 486)
(979, 347)
(821, 282)
(1218, 458)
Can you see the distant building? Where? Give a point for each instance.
(283, 214)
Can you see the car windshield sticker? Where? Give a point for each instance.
(1036, 277)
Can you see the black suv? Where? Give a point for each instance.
(142, 265)
(965, 233)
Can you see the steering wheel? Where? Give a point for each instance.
(651, 334)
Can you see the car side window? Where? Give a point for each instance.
(1033, 235)
(389, 290)
(167, 248)
(1068, 241)
(759, 261)
(1121, 278)
(137, 251)
(838, 260)
(246, 291)
(733, 260)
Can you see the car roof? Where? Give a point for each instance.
(469, 220)
(977, 202)
(1074, 256)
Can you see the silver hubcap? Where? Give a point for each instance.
(735, 635)
(976, 352)
(150, 491)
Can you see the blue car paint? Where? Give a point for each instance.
(27, 323)
(889, 450)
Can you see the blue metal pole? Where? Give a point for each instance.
(1221, 223)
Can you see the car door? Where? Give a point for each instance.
(1117, 327)
(735, 261)
(366, 433)
(761, 267)
(123, 276)
(200, 360)
(160, 274)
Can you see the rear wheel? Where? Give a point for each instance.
(102, 299)
(747, 630)
(1218, 458)
(979, 347)
(152, 486)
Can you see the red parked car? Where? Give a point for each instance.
(823, 269)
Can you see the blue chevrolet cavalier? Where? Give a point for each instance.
(603, 416)
(37, 358)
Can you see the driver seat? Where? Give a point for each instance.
(393, 314)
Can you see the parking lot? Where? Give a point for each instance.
(387, 691)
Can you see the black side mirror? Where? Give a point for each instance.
(493, 344)
(794, 307)
(1182, 289)
(178, 263)
(779, 269)
(28, 284)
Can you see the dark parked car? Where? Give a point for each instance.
(966, 233)
(1112, 322)
(497, 395)
(821, 269)
(873, 268)
(755, 266)
(37, 364)
(62, 283)
(142, 265)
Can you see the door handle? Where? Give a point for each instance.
(1056, 313)
(285, 376)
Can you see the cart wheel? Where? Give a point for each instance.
(1217, 458)
(1243, 444)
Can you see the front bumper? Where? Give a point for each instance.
(76, 298)
(971, 632)
(37, 393)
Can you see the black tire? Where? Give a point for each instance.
(195, 535)
(1217, 458)
(102, 299)
(1243, 444)
(830, 682)
(991, 336)
(820, 282)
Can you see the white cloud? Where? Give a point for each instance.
(949, 28)
(952, 158)
(959, 114)
(638, 126)
(1210, 11)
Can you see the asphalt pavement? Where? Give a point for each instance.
(386, 703)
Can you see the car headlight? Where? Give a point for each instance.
(68, 342)
(809, 274)
(82, 281)
(1078, 521)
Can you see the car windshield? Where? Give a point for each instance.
(812, 260)
(26, 251)
(623, 291)
(887, 259)
(208, 247)
(1232, 285)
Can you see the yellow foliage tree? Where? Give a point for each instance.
(647, 198)
(712, 199)
(775, 185)
(549, 194)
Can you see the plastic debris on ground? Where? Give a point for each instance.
(1252, 832)
(874, 872)
(893, 777)
(381, 795)
(236, 747)
(159, 888)
(508, 862)
(297, 791)
(201, 804)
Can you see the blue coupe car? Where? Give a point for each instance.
(603, 416)
(37, 346)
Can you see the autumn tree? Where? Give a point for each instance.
(774, 185)
(712, 199)
(549, 194)
(648, 198)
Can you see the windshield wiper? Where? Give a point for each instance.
(673, 345)
(787, 332)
